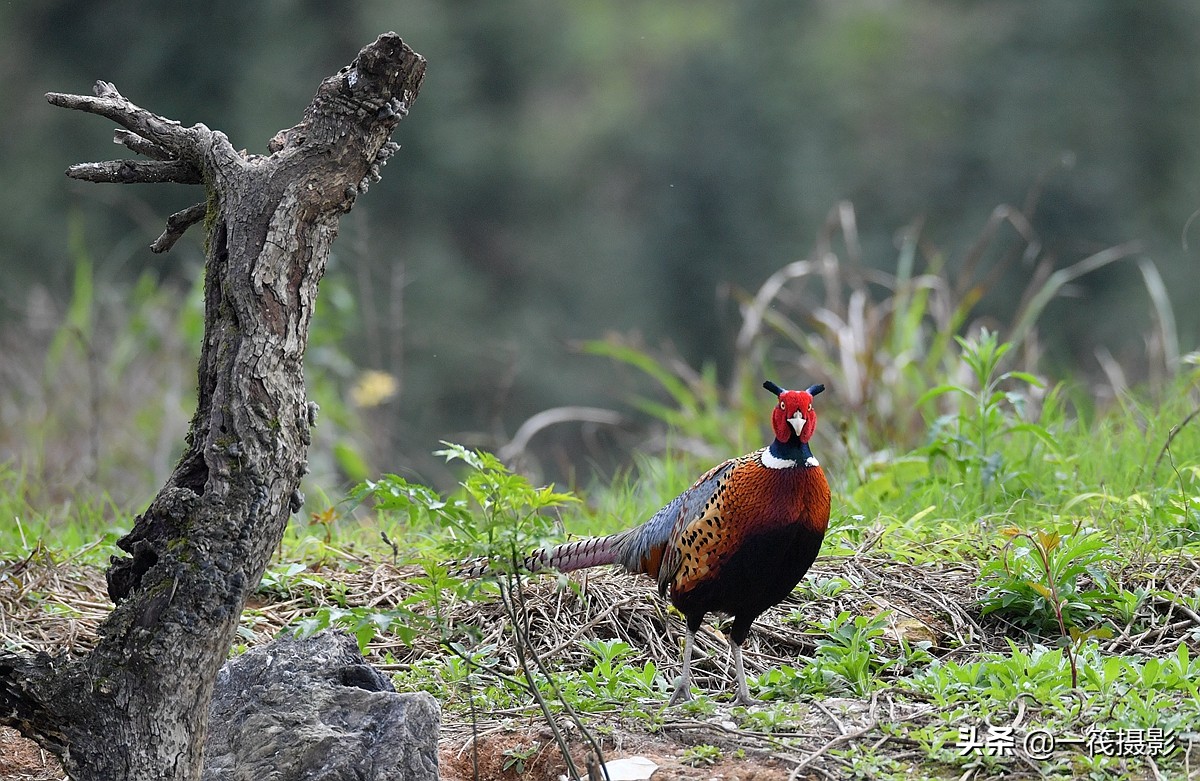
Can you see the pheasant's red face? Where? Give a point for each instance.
(794, 416)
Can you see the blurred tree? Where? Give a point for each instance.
(600, 167)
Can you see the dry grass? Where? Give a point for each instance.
(50, 605)
(55, 606)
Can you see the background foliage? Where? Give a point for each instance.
(585, 169)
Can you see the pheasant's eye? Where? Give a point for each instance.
(782, 405)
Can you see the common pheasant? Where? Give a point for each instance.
(737, 542)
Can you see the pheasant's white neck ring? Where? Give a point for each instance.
(777, 456)
(771, 461)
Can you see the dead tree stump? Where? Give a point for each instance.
(137, 706)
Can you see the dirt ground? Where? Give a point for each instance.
(545, 764)
(22, 760)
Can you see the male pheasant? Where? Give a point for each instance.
(737, 542)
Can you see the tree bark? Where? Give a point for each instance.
(136, 707)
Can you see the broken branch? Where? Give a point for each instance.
(177, 225)
(136, 172)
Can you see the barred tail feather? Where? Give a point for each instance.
(468, 569)
(568, 557)
(571, 556)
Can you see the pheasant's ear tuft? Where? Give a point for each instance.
(773, 387)
(815, 389)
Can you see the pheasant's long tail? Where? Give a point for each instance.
(570, 556)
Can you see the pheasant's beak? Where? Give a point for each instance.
(797, 422)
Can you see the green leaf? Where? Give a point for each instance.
(941, 390)
(1024, 377)
(1048, 540)
(1041, 589)
(1038, 431)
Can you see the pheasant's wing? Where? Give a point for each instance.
(651, 548)
(711, 533)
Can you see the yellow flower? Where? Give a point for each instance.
(373, 388)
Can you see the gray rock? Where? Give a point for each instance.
(314, 709)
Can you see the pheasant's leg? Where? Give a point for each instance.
(683, 691)
(743, 691)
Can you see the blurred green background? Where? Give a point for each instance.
(575, 170)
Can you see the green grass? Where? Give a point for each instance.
(82, 527)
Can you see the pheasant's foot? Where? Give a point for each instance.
(739, 673)
(683, 689)
(683, 693)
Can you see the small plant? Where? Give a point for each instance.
(499, 516)
(970, 438)
(1047, 580)
(1037, 585)
(291, 580)
(612, 679)
(362, 622)
(325, 520)
(825, 587)
(850, 657)
(699, 707)
(704, 754)
(1126, 604)
(515, 758)
(851, 651)
(784, 717)
(1176, 672)
(609, 653)
(1043, 675)
(791, 683)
